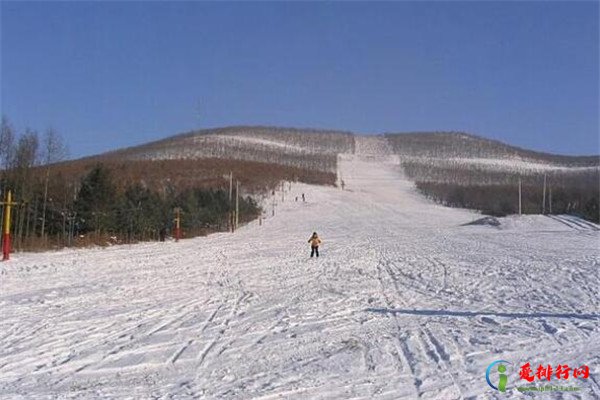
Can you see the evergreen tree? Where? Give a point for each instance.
(96, 200)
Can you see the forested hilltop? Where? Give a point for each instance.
(462, 170)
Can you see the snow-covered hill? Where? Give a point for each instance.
(313, 149)
(404, 302)
(316, 149)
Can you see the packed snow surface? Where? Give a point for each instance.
(404, 302)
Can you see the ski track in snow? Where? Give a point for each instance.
(404, 302)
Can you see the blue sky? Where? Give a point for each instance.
(108, 75)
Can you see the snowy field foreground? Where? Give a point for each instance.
(403, 303)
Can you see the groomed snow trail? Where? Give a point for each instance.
(403, 303)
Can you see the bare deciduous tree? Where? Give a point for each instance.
(54, 150)
(7, 144)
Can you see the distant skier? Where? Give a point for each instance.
(162, 234)
(303, 199)
(314, 241)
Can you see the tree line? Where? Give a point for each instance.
(62, 203)
(494, 190)
(502, 200)
(21, 155)
(137, 213)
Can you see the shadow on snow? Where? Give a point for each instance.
(448, 313)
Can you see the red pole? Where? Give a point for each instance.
(6, 228)
(5, 246)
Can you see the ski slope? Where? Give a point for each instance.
(405, 302)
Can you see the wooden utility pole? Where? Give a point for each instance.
(27, 220)
(71, 218)
(177, 223)
(520, 209)
(35, 215)
(44, 205)
(230, 187)
(544, 197)
(550, 199)
(230, 211)
(237, 203)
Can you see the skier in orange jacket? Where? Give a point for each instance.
(314, 241)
